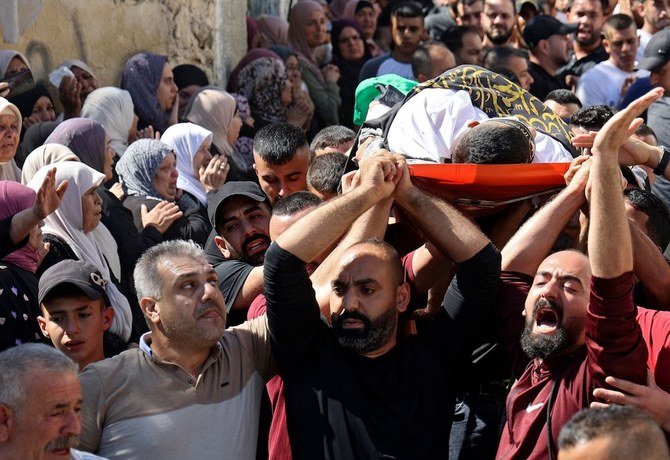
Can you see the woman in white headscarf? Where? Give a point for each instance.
(199, 172)
(216, 110)
(45, 155)
(11, 63)
(113, 109)
(84, 75)
(10, 130)
(74, 231)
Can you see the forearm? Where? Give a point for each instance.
(533, 241)
(443, 225)
(610, 248)
(651, 268)
(22, 223)
(656, 154)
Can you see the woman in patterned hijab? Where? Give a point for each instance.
(263, 82)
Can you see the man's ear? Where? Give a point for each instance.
(43, 326)
(606, 44)
(402, 296)
(150, 309)
(223, 247)
(7, 422)
(107, 317)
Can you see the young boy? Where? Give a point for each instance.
(75, 310)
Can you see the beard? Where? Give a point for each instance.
(257, 259)
(546, 346)
(498, 37)
(371, 337)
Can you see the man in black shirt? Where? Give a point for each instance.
(356, 390)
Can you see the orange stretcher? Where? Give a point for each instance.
(488, 186)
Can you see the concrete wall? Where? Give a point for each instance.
(104, 33)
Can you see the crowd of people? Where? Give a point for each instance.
(192, 271)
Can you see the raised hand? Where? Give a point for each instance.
(214, 174)
(162, 216)
(48, 196)
(69, 93)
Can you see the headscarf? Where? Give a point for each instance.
(141, 77)
(185, 139)
(138, 167)
(262, 82)
(26, 101)
(252, 31)
(338, 27)
(96, 247)
(214, 109)
(15, 198)
(188, 74)
(9, 170)
(244, 144)
(337, 8)
(273, 30)
(284, 52)
(77, 63)
(354, 6)
(34, 137)
(6, 57)
(251, 56)
(113, 109)
(86, 139)
(296, 32)
(47, 154)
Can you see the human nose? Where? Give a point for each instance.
(71, 425)
(72, 327)
(550, 289)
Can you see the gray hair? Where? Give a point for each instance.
(17, 362)
(147, 280)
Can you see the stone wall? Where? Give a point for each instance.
(104, 33)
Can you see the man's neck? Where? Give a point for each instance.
(99, 355)
(614, 64)
(401, 57)
(545, 63)
(583, 51)
(191, 359)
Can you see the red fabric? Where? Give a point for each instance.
(488, 182)
(656, 332)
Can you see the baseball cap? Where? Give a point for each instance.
(536, 3)
(543, 26)
(78, 273)
(230, 189)
(657, 52)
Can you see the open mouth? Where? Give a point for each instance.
(256, 246)
(62, 452)
(546, 320)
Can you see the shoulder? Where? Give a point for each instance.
(110, 371)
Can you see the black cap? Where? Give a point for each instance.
(544, 26)
(233, 188)
(657, 52)
(82, 275)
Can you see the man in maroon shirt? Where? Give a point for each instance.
(580, 319)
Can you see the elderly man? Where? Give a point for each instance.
(40, 400)
(190, 390)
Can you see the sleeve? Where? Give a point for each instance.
(614, 341)
(510, 321)
(256, 337)
(326, 97)
(292, 311)
(6, 245)
(655, 327)
(232, 276)
(194, 225)
(472, 295)
(92, 409)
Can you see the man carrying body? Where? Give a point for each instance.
(357, 379)
(608, 81)
(580, 321)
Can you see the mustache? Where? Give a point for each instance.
(256, 236)
(345, 315)
(546, 303)
(64, 442)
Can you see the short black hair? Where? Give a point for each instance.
(452, 37)
(332, 136)
(277, 143)
(494, 143)
(294, 203)
(325, 172)
(421, 62)
(592, 117)
(618, 22)
(563, 96)
(407, 10)
(645, 130)
(631, 432)
(658, 225)
(498, 57)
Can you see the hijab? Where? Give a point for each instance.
(214, 109)
(354, 6)
(189, 74)
(337, 9)
(34, 137)
(26, 101)
(6, 57)
(185, 139)
(44, 155)
(113, 109)
(273, 30)
(338, 28)
(96, 247)
(86, 139)
(9, 170)
(262, 82)
(15, 198)
(251, 56)
(252, 31)
(138, 167)
(77, 63)
(296, 33)
(141, 77)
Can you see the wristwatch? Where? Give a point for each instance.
(665, 159)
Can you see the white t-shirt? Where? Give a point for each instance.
(399, 68)
(428, 125)
(602, 84)
(644, 39)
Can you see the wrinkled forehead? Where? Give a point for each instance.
(568, 263)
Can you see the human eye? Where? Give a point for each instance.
(56, 319)
(231, 227)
